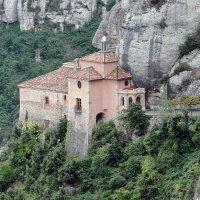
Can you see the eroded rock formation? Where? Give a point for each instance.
(149, 35)
(185, 75)
(30, 13)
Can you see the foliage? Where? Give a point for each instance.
(110, 4)
(162, 164)
(163, 24)
(7, 176)
(165, 79)
(53, 5)
(135, 119)
(190, 44)
(181, 68)
(185, 102)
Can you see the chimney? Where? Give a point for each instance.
(77, 63)
(104, 44)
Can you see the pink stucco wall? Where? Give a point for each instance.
(103, 68)
(104, 98)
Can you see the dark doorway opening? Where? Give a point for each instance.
(138, 100)
(99, 117)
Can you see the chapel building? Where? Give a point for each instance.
(86, 91)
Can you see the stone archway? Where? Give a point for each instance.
(138, 100)
(99, 117)
(130, 101)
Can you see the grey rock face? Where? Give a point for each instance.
(150, 37)
(28, 12)
(9, 10)
(192, 74)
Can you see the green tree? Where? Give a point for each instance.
(135, 119)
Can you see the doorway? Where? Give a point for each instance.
(99, 117)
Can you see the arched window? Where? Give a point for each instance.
(79, 84)
(138, 100)
(126, 83)
(130, 100)
(99, 117)
(122, 101)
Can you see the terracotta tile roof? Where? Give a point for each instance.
(100, 57)
(86, 74)
(54, 81)
(117, 74)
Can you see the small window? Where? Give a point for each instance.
(130, 100)
(65, 97)
(126, 83)
(65, 116)
(46, 100)
(78, 104)
(79, 84)
(122, 102)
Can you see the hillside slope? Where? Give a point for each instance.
(162, 164)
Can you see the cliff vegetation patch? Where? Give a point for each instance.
(162, 164)
(192, 43)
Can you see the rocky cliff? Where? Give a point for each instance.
(149, 34)
(30, 13)
(185, 75)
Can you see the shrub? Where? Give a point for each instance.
(181, 68)
(190, 44)
(163, 24)
(53, 5)
(7, 176)
(165, 79)
(135, 119)
(117, 181)
(185, 84)
(110, 4)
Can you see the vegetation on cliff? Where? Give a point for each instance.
(24, 55)
(162, 164)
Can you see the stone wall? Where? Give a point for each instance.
(33, 103)
(79, 139)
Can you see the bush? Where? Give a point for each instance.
(190, 44)
(117, 181)
(53, 5)
(135, 119)
(110, 4)
(7, 176)
(181, 68)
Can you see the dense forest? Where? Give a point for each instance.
(24, 55)
(163, 163)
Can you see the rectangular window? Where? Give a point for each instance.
(46, 100)
(78, 105)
